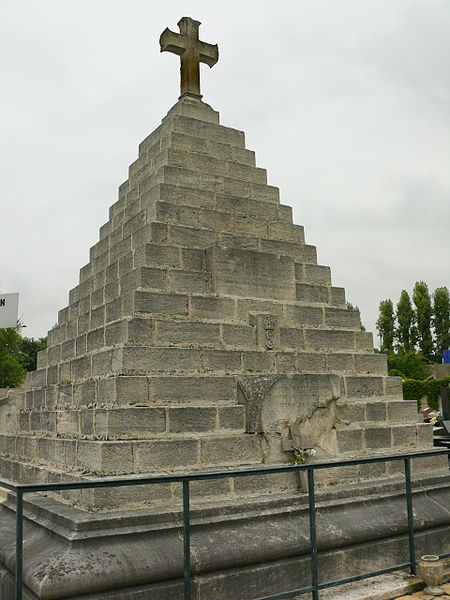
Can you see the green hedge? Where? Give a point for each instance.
(415, 389)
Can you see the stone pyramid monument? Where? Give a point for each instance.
(203, 334)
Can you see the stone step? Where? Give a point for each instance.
(137, 496)
(189, 197)
(198, 162)
(376, 436)
(357, 412)
(311, 273)
(136, 456)
(134, 422)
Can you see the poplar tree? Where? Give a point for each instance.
(424, 311)
(405, 331)
(441, 320)
(385, 325)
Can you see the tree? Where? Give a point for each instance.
(405, 332)
(12, 373)
(407, 364)
(424, 311)
(441, 320)
(29, 347)
(385, 325)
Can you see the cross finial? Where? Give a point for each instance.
(191, 51)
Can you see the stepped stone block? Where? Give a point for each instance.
(202, 334)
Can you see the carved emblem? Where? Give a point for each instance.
(269, 328)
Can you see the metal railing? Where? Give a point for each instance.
(22, 489)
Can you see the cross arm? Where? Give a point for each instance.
(170, 41)
(208, 53)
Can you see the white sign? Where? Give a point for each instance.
(9, 310)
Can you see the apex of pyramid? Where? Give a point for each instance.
(195, 108)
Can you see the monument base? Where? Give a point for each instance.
(239, 550)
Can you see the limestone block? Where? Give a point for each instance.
(404, 436)
(83, 323)
(97, 317)
(340, 363)
(310, 363)
(84, 393)
(336, 296)
(312, 293)
(298, 315)
(165, 454)
(266, 193)
(105, 457)
(81, 368)
(191, 237)
(81, 345)
(326, 340)
(393, 386)
(154, 303)
(131, 226)
(350, 412)
(193, 419)
(144, 360)
(291, 337)
(65, 372)
(402, 411)
(239, 336)
(38, 398)
(51, 397)
(228, 361)
(130, 423)
(376, 411)
(252, 274)
(213, 132)
(196, 282)
(68, 422)
(156, 233)
(285, 362)
(313, 274)
(198, 389)
(378, 437)
(193, 258)
(363, 341)
(231, 418)
(240, 449)
(87, 422)
(347, 318)
(372, 364)
(424, 434)
(181, 333)
(112, 290)
(119, 250)
(231, 240)
(258, 362)
(302, 252)
(287, 232)
(350, 440)
(247, 225)
(364, 387)
(247, 310)
(123, 390)
(98, 298)
(116, 308)
(154, 255)
(95, 339)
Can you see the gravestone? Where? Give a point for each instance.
(203, 334)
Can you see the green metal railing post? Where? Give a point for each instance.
(19, 543)
(186, 543)
(313, 535)
(409, 508)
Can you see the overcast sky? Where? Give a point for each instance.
(344, 101)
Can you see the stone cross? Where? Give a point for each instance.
(191, 51)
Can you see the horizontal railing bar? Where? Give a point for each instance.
(336, 582)
(121, 482)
